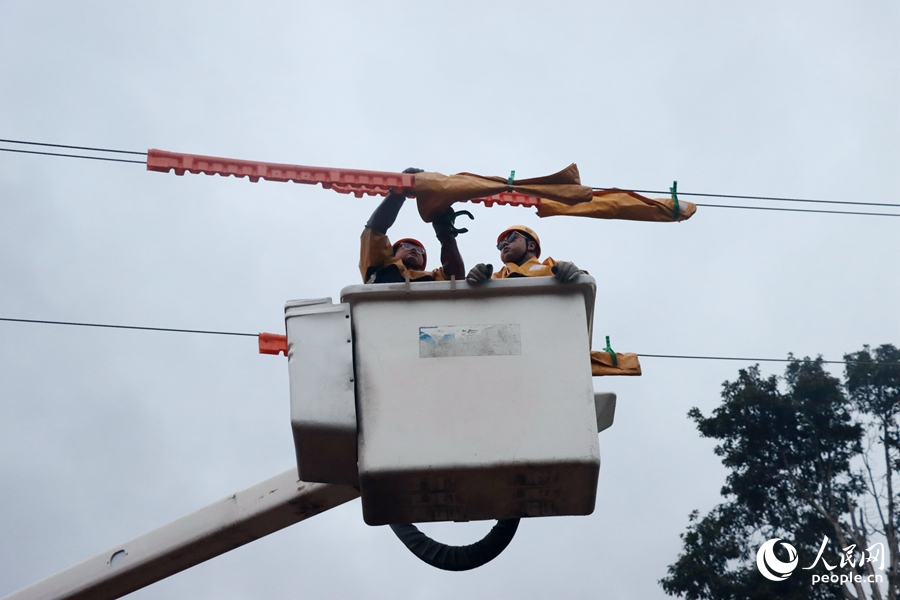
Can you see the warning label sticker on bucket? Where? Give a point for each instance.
(440, 341)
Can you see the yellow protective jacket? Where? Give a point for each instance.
(376, 253)
(530, 268)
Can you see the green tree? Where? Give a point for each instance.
(793, 467)
(873, 383)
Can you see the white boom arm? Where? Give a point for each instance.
(225, 525)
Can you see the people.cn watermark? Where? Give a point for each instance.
(769, 565)
(775, 569)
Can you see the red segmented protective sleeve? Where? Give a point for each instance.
(344, 181)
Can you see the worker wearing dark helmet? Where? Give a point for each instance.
(520, 249)
(383, 262)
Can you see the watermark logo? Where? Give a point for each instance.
(774, 569)
(769, 564)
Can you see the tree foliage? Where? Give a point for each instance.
(801, 455)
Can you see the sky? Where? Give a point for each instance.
(107, 434)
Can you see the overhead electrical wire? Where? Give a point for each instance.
(233, 333)
(242, 334)
(138, 327)
(740, 358)
(772, 198)
(122, 160)
(91, 148)
(778, 199)
(74, 147)
(803, 210)
(693, 194)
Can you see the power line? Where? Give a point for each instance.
(237, 333)
(122, 160)
(743, 359)
(73, 147)
(107, 326)
(696, 194)
(803, 210)
(772, 198)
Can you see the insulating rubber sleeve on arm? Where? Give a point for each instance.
(386, 213)
(457, 558)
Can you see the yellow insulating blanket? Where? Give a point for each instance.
(620, 204)
(602, 364)
(435, 192)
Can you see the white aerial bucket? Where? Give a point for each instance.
(474, 402)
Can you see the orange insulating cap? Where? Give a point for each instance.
(527, 231)
(345, 181)
(272, 343)
(417, 243)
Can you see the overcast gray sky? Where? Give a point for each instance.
(107, 434)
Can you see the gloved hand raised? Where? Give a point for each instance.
(565, 272)
(411, 171)
(386, 213)
(480, 273)
(445, 223)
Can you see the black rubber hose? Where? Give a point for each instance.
(457, 558)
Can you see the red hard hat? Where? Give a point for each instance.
(417, 243)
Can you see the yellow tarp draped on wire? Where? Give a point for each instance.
(602, 364)
(620, 204)
(560, 194)
(435, 192)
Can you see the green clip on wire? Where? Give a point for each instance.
(611, 353)
(512, 176)
(674, 190)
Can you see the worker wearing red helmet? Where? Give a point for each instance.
(383, 262)
(520, 249)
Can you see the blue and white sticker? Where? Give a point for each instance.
(441, 341)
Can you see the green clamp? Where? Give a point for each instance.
(674, 191)
(512, 177)
(611, 353)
